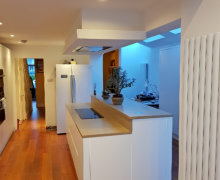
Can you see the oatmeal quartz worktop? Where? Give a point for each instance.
(95, 127)
(117, 119)
(133, 109)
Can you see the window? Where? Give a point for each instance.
(31, 69)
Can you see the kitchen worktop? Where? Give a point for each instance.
(133, 109)
(95, 127)
(117, 119)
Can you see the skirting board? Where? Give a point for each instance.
(51, 128)
(176, 137)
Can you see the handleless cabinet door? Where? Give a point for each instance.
(110, 158)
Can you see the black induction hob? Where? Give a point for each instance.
(88, 113)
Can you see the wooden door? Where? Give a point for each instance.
(39, 76)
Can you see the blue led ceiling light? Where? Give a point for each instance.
(176, 31)
(153, 38)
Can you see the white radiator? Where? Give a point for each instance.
(199, 109)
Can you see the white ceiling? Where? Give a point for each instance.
(48, 21)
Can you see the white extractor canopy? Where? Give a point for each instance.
(97, 41)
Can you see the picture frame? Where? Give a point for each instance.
(40, 65)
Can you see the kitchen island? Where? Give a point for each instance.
(129, 142)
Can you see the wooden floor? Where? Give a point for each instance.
(34, 153)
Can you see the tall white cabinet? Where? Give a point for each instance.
(9, 125)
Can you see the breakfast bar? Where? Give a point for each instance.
(131, 141)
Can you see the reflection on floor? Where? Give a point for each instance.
(34, 153)
(175, 160)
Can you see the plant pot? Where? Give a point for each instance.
(117, 100)
(106, 96)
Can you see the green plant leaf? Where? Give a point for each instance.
(118, 80)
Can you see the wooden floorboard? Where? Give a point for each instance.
(34, 153)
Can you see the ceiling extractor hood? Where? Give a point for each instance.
(97, 41)
(92, 49)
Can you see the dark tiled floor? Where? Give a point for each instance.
(175, 161)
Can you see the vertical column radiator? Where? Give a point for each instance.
(200, 109)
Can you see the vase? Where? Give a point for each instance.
(117, 100)
(106, 96)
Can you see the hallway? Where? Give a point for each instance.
(33, 153)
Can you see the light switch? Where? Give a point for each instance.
(50, 80)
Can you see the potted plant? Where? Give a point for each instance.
(117, 82)
(105, 94)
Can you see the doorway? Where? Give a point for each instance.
(30, 87)
(110, 61)
(36, 73)
(31, 70)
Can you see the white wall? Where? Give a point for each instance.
(164, 65)
(200, 17)
(96, 62)
(162, 13)
(169, 71)
(52, 55)
(9, 125)
(153, 61)
(112, 19)
(97, 18)
(132, 59)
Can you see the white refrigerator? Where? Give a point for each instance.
(73, 85)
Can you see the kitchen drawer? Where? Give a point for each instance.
(76, 145)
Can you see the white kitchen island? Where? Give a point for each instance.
(131, 142)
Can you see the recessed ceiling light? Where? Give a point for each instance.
(154, 38)
(1, 23)
(176, 31)
(12, 35)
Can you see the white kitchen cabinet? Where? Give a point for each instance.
(95, 157)
(110, 148)
(75, 142)
(8, 126)
(110, 157)
(151, 152)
